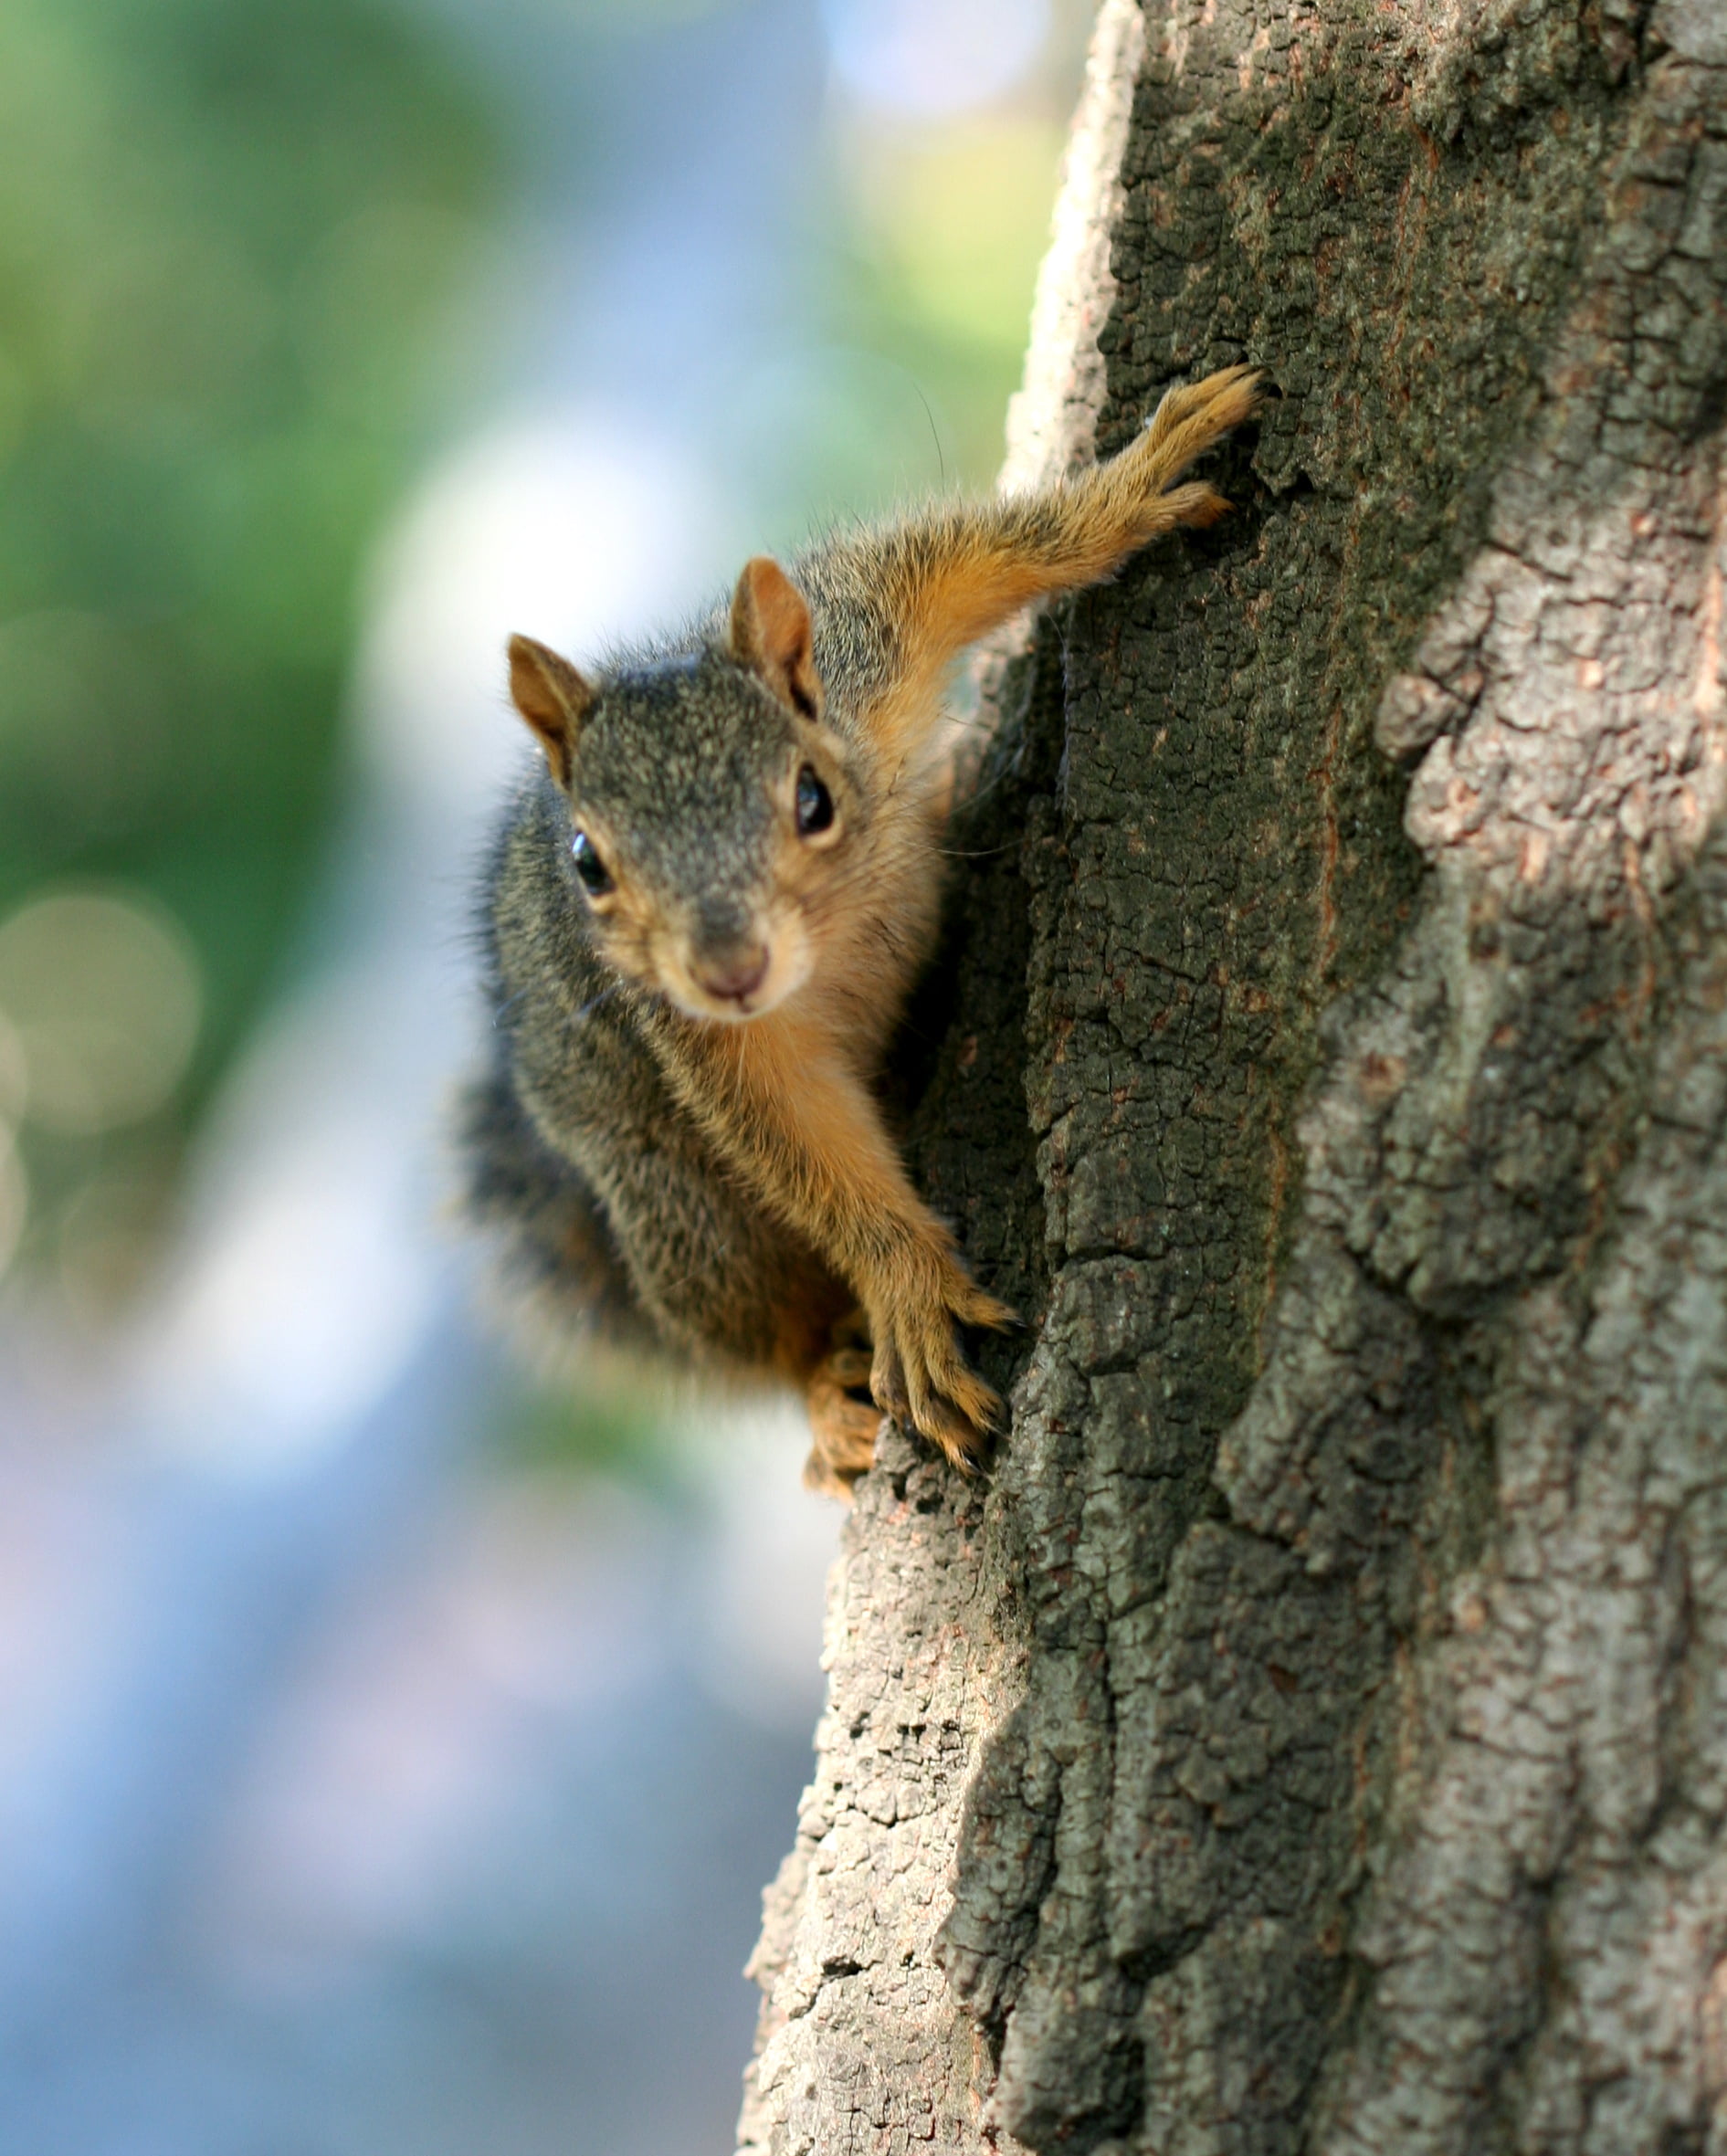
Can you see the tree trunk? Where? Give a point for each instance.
(1312, 1731)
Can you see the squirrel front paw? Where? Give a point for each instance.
(919, 1375)
(1190, 417)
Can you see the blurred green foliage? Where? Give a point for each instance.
(227, 228)
(604, 1420)
(944, 230)
(232, 236)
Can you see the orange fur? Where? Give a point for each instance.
(716, 1095)
(786, 1100)
(803, 1129)
(980, 568)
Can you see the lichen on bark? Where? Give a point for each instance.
(1312, 1734)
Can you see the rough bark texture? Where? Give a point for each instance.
(1312, 1734)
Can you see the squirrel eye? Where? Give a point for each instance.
(815, 804)
(589, 865)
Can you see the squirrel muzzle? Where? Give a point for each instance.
(737, 970)
(733, 975)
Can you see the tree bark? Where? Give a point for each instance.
(1311, 1733)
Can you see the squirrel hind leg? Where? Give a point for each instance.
(844, 1421)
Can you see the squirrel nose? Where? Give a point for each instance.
(736, 976)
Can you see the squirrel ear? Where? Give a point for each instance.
(771, 634)
(551, 696)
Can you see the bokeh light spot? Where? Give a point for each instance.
(102, 989)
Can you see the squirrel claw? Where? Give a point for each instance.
(887, 1381)
(922, 1380)
(959, 1438)
(988, 1314)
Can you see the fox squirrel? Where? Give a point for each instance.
(703, 917)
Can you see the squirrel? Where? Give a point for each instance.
(702, 917)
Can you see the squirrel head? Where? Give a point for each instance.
(716, 822)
